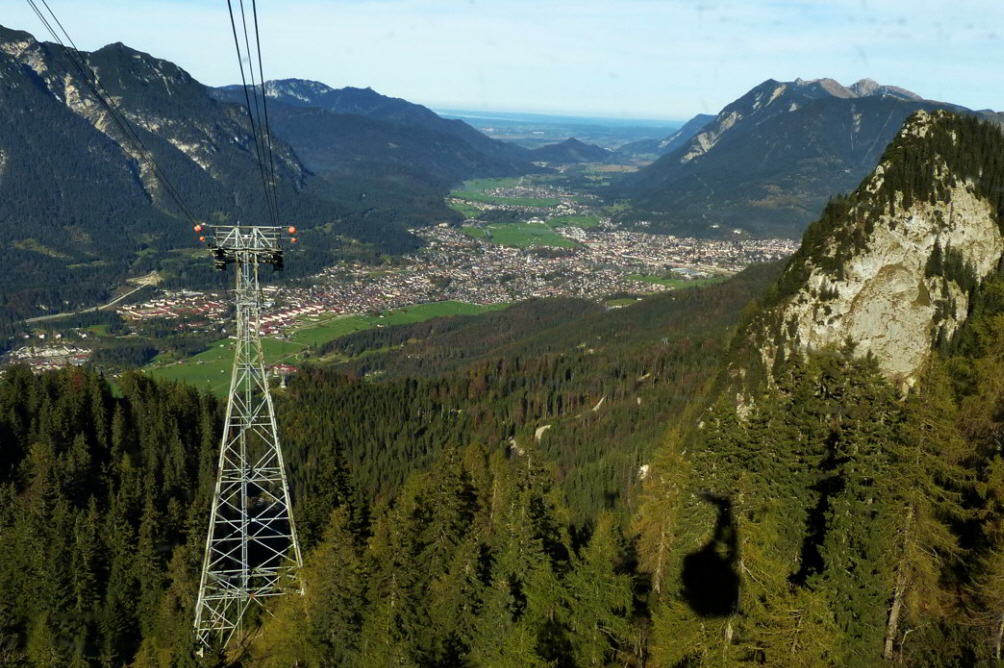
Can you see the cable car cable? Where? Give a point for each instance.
(258, 112)
(264, 104)
(247, 99)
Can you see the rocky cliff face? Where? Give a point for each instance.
(892, 268)
(886, 302)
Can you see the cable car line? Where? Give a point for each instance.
(251, 114)
(264, 104)
(258, 112)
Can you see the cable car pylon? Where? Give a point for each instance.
(252, 552)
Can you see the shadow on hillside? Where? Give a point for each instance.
(710, 578)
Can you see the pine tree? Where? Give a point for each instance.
(989, 585)
(336, 596)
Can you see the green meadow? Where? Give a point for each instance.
(210, 369)
(521, 235)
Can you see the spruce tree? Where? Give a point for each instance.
(600, 598)
(924, 491)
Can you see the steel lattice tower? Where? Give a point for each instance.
(252, 552)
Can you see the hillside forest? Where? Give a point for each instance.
(554, 485)
(843, 524)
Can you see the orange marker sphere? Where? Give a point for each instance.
(293, 240)
(198, 228)
(292, 230)
(202, 239)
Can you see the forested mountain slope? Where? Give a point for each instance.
(83, 208)
(571, 151)
(430, 491)
(768, 163)
(344, 131)
(840, 502)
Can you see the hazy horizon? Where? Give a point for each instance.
(642, 59)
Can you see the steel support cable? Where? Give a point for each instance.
(258, 111)
(247, 99)
(93, 83)
(264, 104)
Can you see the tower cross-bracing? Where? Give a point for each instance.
(252, 552)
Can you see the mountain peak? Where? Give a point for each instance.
(570, 151)
(12, 35)
(831, 86)
(870, 87)
(861, 88)
(865, 87)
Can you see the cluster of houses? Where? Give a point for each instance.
(196, 308)
(53, 356)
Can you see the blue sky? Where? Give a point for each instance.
(622, 58)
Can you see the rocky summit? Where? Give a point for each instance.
(892, 269)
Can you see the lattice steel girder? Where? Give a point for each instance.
(252, 551)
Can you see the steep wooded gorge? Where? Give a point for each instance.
(704, 478)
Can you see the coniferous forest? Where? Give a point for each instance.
(685, 480)
(843, 524)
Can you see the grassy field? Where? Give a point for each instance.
(474, 232)
(488, 184)
(677, 283)
(210, 369)
(624, 301)
(475, 190)
(466, 210)
(316, 331)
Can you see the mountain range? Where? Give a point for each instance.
(82, 205)
(84, 208)
(335, 131)
(768, 162)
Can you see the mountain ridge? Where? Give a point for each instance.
(571, 150)
(297, 103)
(84, 208)
(771, 159)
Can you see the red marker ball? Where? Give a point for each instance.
(292, 230)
